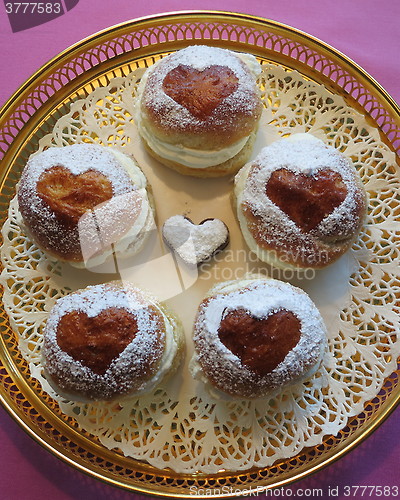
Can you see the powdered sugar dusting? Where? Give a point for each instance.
(195, 243)
(78, 159)
(176, 117)
(306, 155)
(260, 298)
(115, 217)
(125, 373)
(107, 222)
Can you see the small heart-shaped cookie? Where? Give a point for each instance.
(200, 92)
(260, 344)
(306, 198)
(195, 243)
(96, 341)
(69, 196)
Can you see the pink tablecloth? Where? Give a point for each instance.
(366, 31)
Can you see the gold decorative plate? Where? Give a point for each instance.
(32, 112)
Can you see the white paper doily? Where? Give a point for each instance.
(179, 426)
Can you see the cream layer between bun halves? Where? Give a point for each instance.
(198, 110)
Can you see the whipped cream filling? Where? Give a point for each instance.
(192, 158)
(251, 62)
(189, 157)
(263, 255)
(133, 239)
(168, 357)
(302, 136)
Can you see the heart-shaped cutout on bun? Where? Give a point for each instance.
(70, 196)
(193, 243)
(96, 341)
(200, 91)
(306, 198)
(260, 343)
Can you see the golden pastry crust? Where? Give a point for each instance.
(197, 105)
(256, 335)
(80, 199)
(110, 341)
(300, 203)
